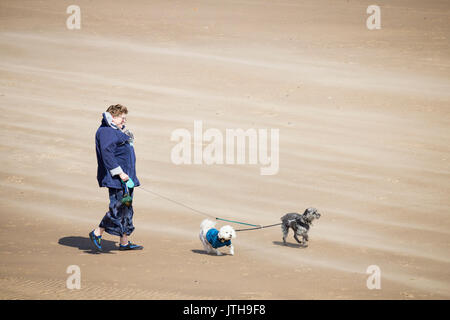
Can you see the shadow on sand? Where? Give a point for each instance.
(290, 245)
(208, 254)
(85, 244)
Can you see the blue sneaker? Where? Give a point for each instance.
(130, 246)
(96, 240)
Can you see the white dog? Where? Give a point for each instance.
(213, 238)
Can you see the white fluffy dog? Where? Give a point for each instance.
(213, 239)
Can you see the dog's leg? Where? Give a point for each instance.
(218, 252)
(205, 243)
(296, 238)
(232, 250)
(285, 231)
(303, 233)
(207, 247)
(305, 240)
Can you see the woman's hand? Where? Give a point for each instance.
(124, 177)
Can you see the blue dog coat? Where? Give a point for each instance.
(213, 239)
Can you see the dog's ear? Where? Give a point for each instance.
(310, 211)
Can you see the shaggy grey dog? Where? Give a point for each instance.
(300, 223)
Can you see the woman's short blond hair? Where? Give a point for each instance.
(117, 109)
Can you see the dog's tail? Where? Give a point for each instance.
(207, 224)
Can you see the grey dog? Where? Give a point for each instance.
(300, 223)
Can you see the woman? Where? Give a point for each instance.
(116, 166)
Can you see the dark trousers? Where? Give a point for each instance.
(119, 219)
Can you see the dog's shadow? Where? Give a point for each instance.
(209, 254)
(84, 244)
(290, 245)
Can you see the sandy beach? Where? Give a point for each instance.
(364, 137)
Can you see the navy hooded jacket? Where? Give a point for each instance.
(115, 155)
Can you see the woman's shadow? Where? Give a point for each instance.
(85, 244)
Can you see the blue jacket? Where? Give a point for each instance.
(213, 239)
(115, 154)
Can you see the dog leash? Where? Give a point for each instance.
(247, 224)
(178, 203)
(260, 227)
(256, 227)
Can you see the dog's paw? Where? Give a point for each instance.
(219, 253)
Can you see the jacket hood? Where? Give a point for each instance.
(107, 121)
